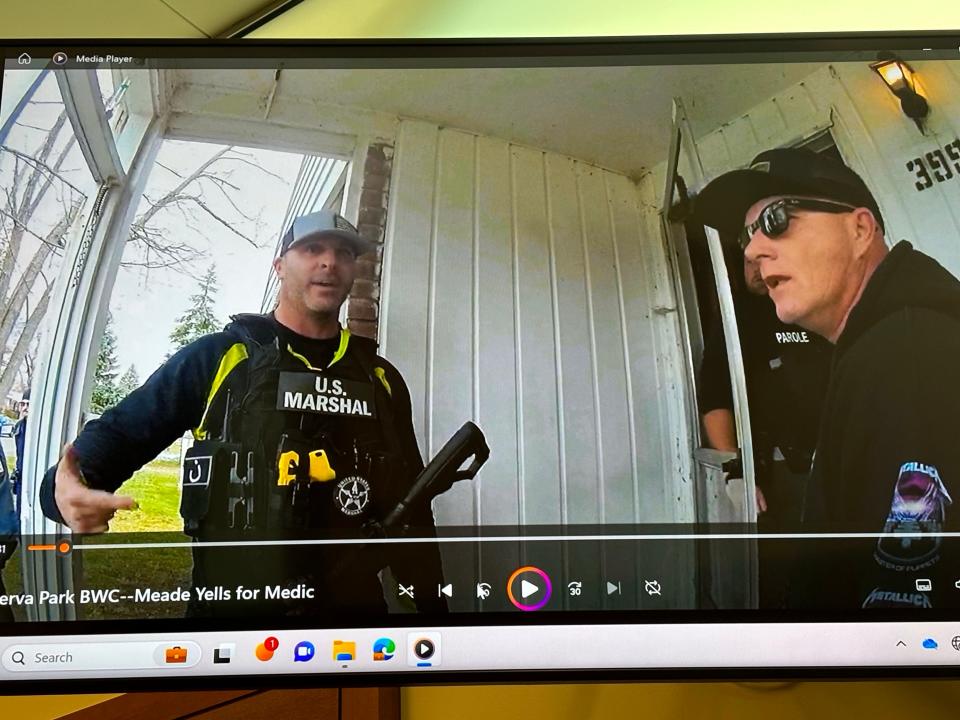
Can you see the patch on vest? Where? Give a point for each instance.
(353, 495)
(792, 337)
(310, 392)
(196, 471)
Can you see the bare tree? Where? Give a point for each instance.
(157, 249)
(40, 175)
(34, 176)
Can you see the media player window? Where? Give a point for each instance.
(662, 331)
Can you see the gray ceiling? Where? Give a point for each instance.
(617, 117)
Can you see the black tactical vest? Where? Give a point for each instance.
(286, 449)
(290, 452)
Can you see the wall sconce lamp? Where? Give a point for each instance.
(900, 78)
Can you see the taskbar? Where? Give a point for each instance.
(404, 653)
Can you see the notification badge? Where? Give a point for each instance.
(266, 649)
(529, 588)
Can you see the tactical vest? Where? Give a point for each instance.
(285, 449)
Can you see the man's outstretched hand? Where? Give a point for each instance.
(84, 509)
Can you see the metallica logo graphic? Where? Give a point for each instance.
(353, 494)
(919, 504)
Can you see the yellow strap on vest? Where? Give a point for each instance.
(382, 374)
(234, 355)
(337, 356)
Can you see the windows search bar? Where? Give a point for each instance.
(80, 657)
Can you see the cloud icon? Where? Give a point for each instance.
(930, 644)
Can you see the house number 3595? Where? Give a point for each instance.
(938, 165)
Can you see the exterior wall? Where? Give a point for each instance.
(874, 137)
(519, 291)
(363, 303)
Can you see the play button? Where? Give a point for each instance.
(424, 649)
(529, 588)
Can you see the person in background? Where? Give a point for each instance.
(887, 460)
(9, 530)
(19, 440)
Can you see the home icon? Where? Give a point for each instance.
(24, 59)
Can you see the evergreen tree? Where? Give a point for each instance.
(199, 319)
(129, 382)
(105, 390)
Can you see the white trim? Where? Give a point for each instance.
(259, 134)
(67, 365)
(738, 383)
(84, 106)
(354, 182)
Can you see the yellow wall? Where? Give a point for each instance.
(491, 18)
(46, 707)
(686, 701)
(545, 18)
(467, 18)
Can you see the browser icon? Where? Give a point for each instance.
(383, 649)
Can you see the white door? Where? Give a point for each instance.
(724, 480)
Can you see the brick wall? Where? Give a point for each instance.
(363, 305)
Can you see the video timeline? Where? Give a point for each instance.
(134, 578)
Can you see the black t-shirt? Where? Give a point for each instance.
(318, 351)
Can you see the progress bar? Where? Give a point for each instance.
(511, 538)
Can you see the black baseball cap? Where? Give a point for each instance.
(724, 202)
(325, 222)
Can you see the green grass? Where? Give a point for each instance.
(157, 518)
(156, 488)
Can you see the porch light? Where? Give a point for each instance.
(900, 78)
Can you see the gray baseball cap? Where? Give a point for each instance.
(325, 222)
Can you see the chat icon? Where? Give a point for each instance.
(303, 651)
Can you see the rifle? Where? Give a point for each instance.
(437, 477)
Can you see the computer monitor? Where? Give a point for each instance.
(390, 362)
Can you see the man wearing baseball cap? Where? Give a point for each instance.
(888, 456)
(301, 431)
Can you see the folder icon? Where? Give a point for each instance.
(175, 654)
(344, 650)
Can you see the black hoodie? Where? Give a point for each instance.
(888, 455)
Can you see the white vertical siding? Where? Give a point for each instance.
(495, 385)
(518, 287)
(406, 272)
(873, 136)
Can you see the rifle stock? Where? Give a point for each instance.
(443, 471)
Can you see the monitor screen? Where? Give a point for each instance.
(393, 362)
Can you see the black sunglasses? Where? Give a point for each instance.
(775, 218)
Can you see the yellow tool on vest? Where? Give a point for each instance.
(319, 468)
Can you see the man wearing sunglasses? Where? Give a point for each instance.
(888, 456)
